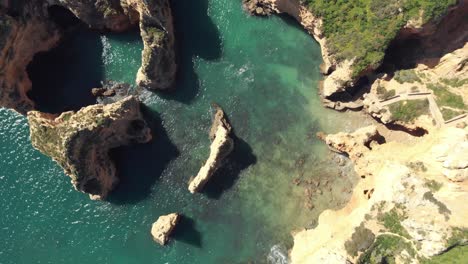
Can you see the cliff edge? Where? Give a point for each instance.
(80, 142)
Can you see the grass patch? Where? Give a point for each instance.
(392, 222)
(385, 249)
(449, 113)
(363, 29)
(407, 76)
(446, 98)
(454, 255)
(384, 94)
(454, 82)
(408, 111)
(459, 235)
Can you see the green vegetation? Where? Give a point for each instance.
(449, 113)
(361, 240)
(384, 94)
(417, 166)
(155, 34)
(407, 76)
(446, 98)
(363, 29)
(455, 82)
(392, 222)
(385, 249)
(433, 185)
(454, 255)
(408, 111)
(442, 207)
(459, 236)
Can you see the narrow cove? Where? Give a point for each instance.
(264, 73)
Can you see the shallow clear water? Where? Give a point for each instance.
(264, 73)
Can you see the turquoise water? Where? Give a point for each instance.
(263, 72)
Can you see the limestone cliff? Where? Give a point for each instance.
(20, 40)
(27, 28)
(80, 142)
(344, 69)
(158, 67)
(404, 209)
(221, 146)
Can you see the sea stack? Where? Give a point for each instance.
(221, 146)
(80, 142)
(163, 227)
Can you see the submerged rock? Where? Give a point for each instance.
(163, 227)
(80, 142)
(221, 146)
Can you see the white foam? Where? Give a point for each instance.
(278, 255)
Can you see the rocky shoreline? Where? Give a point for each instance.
(403, 209)
(406, 206)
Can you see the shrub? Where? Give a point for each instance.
(406, 76)
(408, 111)
(363, 29)
(384, 94)
(455, 82)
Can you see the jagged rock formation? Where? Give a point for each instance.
(27, 29)
(354, 144)
(221, 146)
(156, 28)
(20, 39)
(158, 67)
(80, 142)
(163, 227)
(403, 209)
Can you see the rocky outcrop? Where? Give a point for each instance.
(454, 159)
(403, 208)
(354, 144)
(221, 146)
(158, 67)
(163, 227)
(80, 142)
(20, 40)
(27, 29)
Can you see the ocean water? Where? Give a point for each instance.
(263, 72)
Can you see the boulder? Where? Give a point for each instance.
(163, 227)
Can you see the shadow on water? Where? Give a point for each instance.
(63, 77)
(224, 178)
(196, 36)
(140, 165)
(187, 233)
